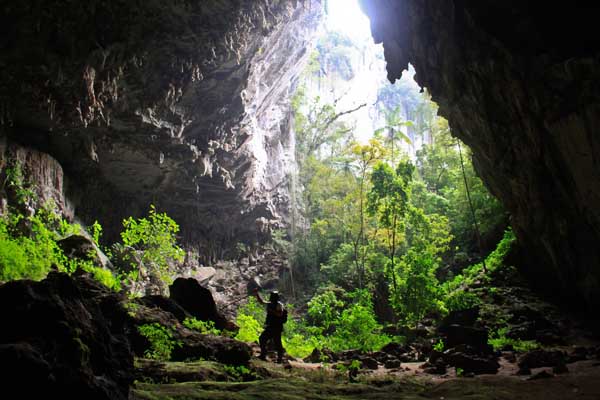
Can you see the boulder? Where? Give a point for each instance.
(322, 355)
(196, 300)
(541, 358)
(466, 317)
(166, 304)
(204, 274)
(474, 363)
(455, 335)
(392, 363)
(84, 248)
(369, 363)
(395, 349)
(64, 335)
(218, 348)
(437, 367)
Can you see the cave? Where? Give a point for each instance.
(186, 105)
(524, 99)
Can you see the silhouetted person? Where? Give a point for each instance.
(276, 317)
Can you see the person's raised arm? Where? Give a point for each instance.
(257, 295)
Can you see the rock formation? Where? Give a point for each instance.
(520, 84)
(64, 337)
(183, 104)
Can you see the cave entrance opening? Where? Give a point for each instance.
(386, 201)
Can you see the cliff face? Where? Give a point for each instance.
(176, 103)
(520, 84)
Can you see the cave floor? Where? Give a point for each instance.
(310, 381)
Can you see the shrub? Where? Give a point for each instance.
(204, 327)
(461, 300)
(250, 328)
(499, 340)
(324, 309)
(155, 238)
(161, 341)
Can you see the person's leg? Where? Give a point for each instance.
(279, 346)
(263, 340)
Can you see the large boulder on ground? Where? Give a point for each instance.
(466, 317)
(64, 337)
(191, 344)
(219, 348)
(541, 358)
(455, 335)
(165, 304)
(471, 363)
(197, 300)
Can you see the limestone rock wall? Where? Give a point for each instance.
(181, 103)
(40, 173)
(520, 84)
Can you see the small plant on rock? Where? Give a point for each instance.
(161, 341)
(204, 327)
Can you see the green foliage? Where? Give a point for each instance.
(461, 300)
(29, 243)
(439, 167)
(250, 318)
(496, 257)
(279, 241)
(250, 328)
(16, 183)
(354, 366)
(324, 309)
(155, 237)
(239, 372)
(96, 229)
(102, 275)
(439, 346)
(473, 272)
(498, 340)
(356, 327)
(204, 327)
(22, 256)
(161, 341)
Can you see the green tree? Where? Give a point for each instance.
(387, 200)
(154, 238)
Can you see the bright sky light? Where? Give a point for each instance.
(347, 17)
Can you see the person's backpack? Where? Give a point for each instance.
(284, 316)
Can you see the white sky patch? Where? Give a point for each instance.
(346, 16)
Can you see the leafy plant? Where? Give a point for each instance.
(324, 309)
(461, 300)
(155, 238)
(498, 340)
(161, 341)
(239, 372)
(439, 346)
(204, 327)
(16, 183)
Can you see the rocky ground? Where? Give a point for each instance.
(71, 333)
(565, 366)
(312, 381)
(232, 281)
